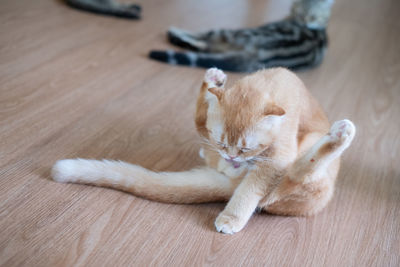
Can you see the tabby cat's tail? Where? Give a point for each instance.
(240, 62)
(224, 61)
(194, 186)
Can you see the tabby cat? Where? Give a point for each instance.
(268, 146)
(297, 42)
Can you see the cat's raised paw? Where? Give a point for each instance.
(228, 224)
(342, 133)
(215, 78)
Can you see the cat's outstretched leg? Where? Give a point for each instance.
(214, 41)
(186, 39)
(107, 7)
(320, 155)
(309, 183)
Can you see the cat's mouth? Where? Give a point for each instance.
(235, 164)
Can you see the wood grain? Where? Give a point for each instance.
(74, 84)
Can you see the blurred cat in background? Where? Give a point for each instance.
(297, 42)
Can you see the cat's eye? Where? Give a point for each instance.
(244, 149)
(222, 145)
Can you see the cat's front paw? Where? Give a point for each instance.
(228, 224)
(215, 77)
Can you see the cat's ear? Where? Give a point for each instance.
(273, 117)
(273, 110)
(217, 91)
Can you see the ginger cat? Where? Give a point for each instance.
(268, 145)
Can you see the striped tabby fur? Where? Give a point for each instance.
(298, 42)
(107, 7)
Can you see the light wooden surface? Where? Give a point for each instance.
(79, 85)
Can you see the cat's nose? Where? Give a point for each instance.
(232, 157)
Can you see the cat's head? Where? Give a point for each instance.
(243, 120)
(314, 13)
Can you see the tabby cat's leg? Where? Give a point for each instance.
(213, 41)
(107, 7)
(186, 39)
(320, 155)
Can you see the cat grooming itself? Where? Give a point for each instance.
(297, 42)
(268, 145)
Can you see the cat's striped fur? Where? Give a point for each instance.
(107, 7)
(285, 43)
(297, 42)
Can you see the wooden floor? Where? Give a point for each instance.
(79, 85)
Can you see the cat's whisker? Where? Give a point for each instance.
(209, 146)
(264, 159)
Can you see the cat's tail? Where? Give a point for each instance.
(241, 61)
(194, 186)
(230, 61)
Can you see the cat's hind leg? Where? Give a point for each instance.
(214, 41)
(321, 154)
(186, 39)
(309, 183)
(107, 7)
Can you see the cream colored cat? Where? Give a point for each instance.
(268, 145)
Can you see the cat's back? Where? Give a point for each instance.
(277, 85)
(285, 89)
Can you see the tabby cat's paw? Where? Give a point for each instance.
(228, 224)
(215, 77)
(342, 133)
